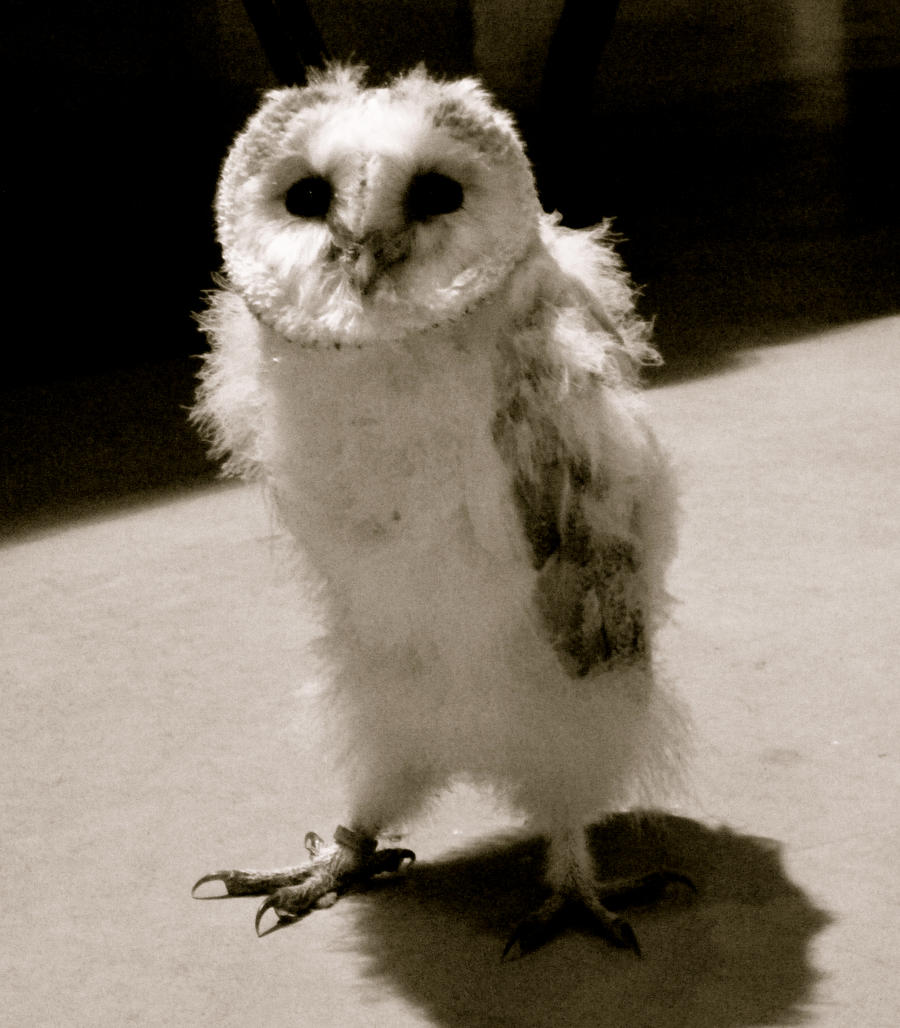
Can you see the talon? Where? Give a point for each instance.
(529, 937)
(510, 942)
(538, 928)
(622, 935)
(517, 938)
(271, 903)
(391, 861)
(216, 876)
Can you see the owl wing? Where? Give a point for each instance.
(581, 540)
(587, 477)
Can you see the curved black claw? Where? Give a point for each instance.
(539, 927)
(291, 902)
(216, 876)
(390, 861)
(619, 933)
(271, 903)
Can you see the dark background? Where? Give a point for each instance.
(747, 149)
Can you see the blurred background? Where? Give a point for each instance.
(746, 149)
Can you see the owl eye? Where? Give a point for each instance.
(432, 194)
(309, 197)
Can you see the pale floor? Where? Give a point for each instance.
(154, 681)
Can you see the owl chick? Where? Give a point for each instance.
(437, 385)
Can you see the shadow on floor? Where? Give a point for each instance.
(737, 954)
(80, 447)
(713, 303)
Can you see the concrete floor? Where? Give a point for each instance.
(154, 682)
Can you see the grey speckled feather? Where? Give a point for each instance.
(587, 591)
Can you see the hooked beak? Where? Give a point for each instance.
(366, 259)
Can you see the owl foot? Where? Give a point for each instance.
(293, 892)
(595, 908)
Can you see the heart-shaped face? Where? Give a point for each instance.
(349, 215)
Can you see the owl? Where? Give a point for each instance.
(437, 385)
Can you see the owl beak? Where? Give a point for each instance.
(368, 258)
(363, 267)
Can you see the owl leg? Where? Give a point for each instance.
(352, 860)
(578, 899)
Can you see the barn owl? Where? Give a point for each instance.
(437, 385)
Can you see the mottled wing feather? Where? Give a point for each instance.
(586, 597)
(587, 590)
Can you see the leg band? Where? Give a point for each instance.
(355, 841)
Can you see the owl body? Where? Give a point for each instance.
(435, 382)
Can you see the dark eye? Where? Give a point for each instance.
(432, 194)
(309, 198)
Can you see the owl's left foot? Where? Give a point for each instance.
(293, 892)
(595, 908)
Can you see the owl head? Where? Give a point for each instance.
(349, 215)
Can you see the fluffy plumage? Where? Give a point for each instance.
(437, 384)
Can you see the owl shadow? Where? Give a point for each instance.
(734, 954)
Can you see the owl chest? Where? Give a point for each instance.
(390, 451)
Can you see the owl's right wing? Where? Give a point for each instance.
(591, 487)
